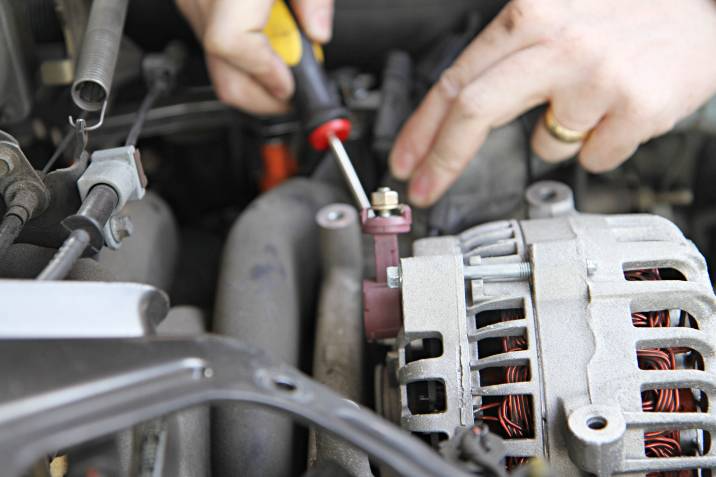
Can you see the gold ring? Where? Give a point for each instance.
(560, 132)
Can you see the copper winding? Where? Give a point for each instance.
(661, 444)
(511, 415)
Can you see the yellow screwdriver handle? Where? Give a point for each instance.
(285, 37)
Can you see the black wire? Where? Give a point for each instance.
(147, 103)
(58, 152)
(10, 229)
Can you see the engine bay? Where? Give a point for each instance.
(190, 290)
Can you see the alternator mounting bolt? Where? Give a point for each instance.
(499, 271)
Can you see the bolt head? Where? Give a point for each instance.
(121, 227)
(385, 199)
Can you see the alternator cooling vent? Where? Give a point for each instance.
(601, 362)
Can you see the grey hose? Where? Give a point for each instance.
(10, 228)
(265, 296)
(66, 256)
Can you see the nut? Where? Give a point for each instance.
(121, 227)
(384, 199)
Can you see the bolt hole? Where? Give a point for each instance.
(284, 383)
(548, 195)
(597, 423)
(335, 215)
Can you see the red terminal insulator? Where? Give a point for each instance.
(318, 138)
(382, 311)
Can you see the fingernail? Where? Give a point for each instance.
(321, 23)
(400, 165)
(419, 191)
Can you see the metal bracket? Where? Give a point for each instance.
(103, 386)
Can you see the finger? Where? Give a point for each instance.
(194, 14)
(504, 92)
(612, 142)
(234, 34)
(506, 34)
(238, 89)
(549, 148)
(316, 18)
(572, 108)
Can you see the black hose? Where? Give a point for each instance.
(10, 228)
(66, 257)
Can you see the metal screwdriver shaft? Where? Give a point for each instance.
(349, 173)
(324, 118)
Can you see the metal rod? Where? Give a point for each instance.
(10, 228)
(66, 256)
(349, 172)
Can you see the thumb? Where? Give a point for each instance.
(316, 18)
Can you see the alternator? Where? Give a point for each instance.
(587, 340)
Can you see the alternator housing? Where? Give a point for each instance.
(572, 352)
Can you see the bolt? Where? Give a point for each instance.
(499, 271)
(121, 227)
(591, 268)
(4, 168)
(394, 277)
(384, 200)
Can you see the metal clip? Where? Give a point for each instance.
(73, 123)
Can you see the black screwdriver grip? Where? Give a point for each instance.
(314, 99)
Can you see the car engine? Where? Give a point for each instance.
(188, 290)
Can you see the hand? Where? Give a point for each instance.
(244, 69)
(626, 71)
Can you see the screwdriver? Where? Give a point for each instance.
(321, 113)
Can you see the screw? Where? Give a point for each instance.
(121, 227)
(384, 200)
(394, 277)
(501, 271)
